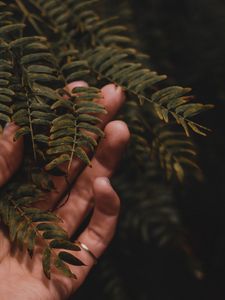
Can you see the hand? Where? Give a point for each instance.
(22, 277)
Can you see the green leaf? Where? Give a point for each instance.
(59, 149)
(62, 118)
(46, 92)
(41, 122)
(74, 64)
(48, 226)
(32, 58)
(5, 65)
(13, 223)
(20, 113)
(41, 69)
(21, 233)
(196, 129)
(81, 154)
(43, 78)
(5, 75)
(70, 259)
(41, 114)
(77, 75)
(91, 128)
(62, 124)
(62, 103)
(4, 82)
(46, 262)
(63, 268)
(7, 91)
(55, 234)
(57, 161)
(83, 89)
(5, 108)
(38, 215)
(31, 238)
(93, 109)
(61, 141)
(5, 99)
(21, 131)
(7, 29)
(25, 201)
(64, 244)
(41, 138)
(111, 61)
(89, 119)
(43, 181)
(179, 171)
(89, 139)
(26, 189)
(4, 118)
(20, 42)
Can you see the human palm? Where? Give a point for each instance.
(22, 277)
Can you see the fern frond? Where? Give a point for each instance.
(139, 150)
(32, 110)
(28, 226)
(6, 92)
(141, 81)
(111, 280)
(110, 60)
(69, 130)
(148, 212)
(154, 141)
(175, 151)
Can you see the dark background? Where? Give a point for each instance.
(186, 41)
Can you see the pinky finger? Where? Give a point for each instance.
(101, 228)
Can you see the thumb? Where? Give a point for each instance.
(10, 153)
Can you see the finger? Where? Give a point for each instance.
(10, 153)
(112, 100)
(104, 164)
(101, 228)
(102, 225)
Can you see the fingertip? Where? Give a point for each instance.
(116, 139)
(118, 132)
(113, 92)
(10, 129)
(102, 184)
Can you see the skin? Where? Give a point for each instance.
(22, 277)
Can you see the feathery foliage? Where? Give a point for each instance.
(46, 44)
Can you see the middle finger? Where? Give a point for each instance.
(112, 99)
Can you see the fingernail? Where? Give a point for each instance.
(106, 179)
(9, 128)
(7, 125)
(6, 128)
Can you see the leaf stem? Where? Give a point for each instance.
(28, 15)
